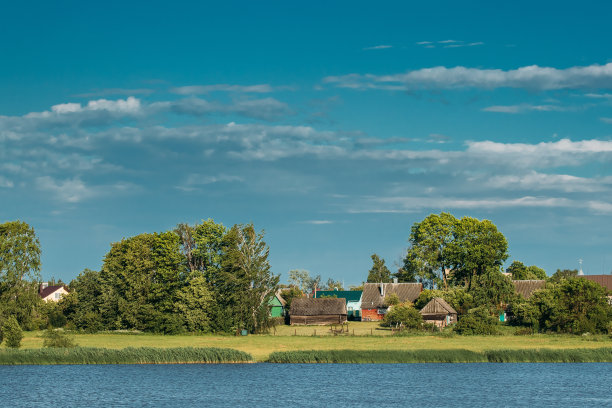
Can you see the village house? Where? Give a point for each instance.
(317, 311)
(352, 297)
(373, 306)
(439, 312)
(525, 288)
(52, 293)
(277, 305)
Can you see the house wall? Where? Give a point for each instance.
(371, 315)
(61, 292)
(317, 319)
(276, 311)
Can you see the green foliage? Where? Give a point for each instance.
(289, 294)
(427, 258)
(404, 315)
(379, 271)
(193, 304)
(302, 279)
(492, 290)
(130, 355)
(477, 322)
(19, 270)
(57, 338)
(600, 355)
(572, 306)
(392, 299)
(562, 274)
(477, 247)
(334, 285)
(12, 333)
(521, 272)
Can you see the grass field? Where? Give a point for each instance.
(289, 338)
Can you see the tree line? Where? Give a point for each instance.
(460, 260)
(194, 278)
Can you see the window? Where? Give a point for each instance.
(58, 296)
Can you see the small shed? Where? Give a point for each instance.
(352, 297)
(439, 312)
(318, 311)
(525, 288)
(277, 305)
(373, 305)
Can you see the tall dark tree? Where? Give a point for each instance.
(379, 271)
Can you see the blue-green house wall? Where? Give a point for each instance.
(276, 307)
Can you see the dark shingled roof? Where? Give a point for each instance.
(372, 298)
(437, 306)
(316, 307)
(49, 290)
(603, 280)
(526, 288)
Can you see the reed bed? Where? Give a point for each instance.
(129, 355)
(601, 355)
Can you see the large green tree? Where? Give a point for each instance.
(521, 272)
(19, 272)
(428, 256)
(477, 247)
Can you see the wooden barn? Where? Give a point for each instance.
(525, 288)
(352, 297)
(317, 311)
(373, 305)
(439, 312)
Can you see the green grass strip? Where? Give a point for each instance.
(129, 355)
(600, 355)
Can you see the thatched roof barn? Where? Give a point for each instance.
(318, 311)
(439, 312)
(526, 288)
(373, 305)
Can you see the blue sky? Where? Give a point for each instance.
(333, 127)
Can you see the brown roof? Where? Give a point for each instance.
(50, 289)
(318, 306)
(372, 297)
(603, 280)
(437, 306)
(526, 288)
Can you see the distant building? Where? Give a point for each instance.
(525, 288)
(373, 305)
(352, 297)
(277, 305)
(317, 311)
(439, 312)
(52, 293)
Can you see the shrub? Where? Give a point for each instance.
(477, 321)
(392, 299)
(57, 338)
(12, 332)
(403, 315)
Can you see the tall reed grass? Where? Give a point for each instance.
(601, 355)
(130, 355)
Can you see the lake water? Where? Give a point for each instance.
(307, 385)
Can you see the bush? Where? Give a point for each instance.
(57, 338)
(12, 332)
(477, 321)
(403, 315)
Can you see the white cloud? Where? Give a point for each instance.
(204, 89)
(535, 181)
(606, 120)
(318, 222)
(5, 183)
(70, 190)
(529, 77)
(525, 108)
(378, 47)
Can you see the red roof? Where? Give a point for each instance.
(49, 290)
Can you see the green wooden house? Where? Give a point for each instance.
(352, 297)
(277, 305)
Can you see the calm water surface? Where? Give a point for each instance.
(297, 385)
